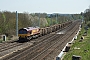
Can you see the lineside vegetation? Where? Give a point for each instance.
(83, 48)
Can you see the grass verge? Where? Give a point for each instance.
(84, 46)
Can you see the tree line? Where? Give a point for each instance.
(86, 16)
(8, 20)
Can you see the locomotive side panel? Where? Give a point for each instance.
(28, 33)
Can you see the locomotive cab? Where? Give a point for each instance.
(29, 33)
(22, 33)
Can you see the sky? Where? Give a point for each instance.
(45, 6)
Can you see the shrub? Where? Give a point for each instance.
(88, 24)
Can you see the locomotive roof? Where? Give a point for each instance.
(30, 28)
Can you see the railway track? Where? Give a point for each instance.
(3, 44)
(43, 46)
(37, 41)
(9, 46)
(58, 43)
(32, 49)
(35, 52)
(56, 50)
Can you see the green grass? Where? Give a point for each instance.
(84, 46)
(0, 41)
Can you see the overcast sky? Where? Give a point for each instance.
(45, 6)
